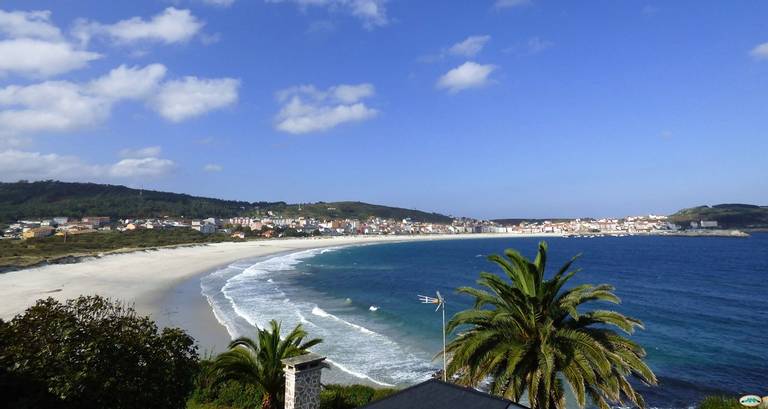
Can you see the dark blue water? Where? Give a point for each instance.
(704, 301)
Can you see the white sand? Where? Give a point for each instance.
(144, 277)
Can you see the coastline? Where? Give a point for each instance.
(165, 283)
(144, 277)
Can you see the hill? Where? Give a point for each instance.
(27, 200)
(51, 198)
(732, 216)
(356, 210)
(510, 222)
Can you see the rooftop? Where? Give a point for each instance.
(435, 394)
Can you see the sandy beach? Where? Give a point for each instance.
(165, 283)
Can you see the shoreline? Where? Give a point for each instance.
(75, 258)
(165, 284)
(143, 277)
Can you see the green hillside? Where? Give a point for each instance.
(50, 198)
(733, 216)
(356, 210)
(26, 200)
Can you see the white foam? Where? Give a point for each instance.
(321, 313)
(255, 294)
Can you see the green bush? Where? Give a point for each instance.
(350, 396)
(93, 353)
(238, 395)
(720, 402)
(211, 392)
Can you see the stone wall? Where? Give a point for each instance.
(302, 388)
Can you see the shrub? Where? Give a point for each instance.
(238, 395)
(350, 396)
(93, 353)
(720, 402)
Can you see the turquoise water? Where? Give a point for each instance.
(703, 301)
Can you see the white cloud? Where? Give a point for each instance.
(512, 3)
(29, 24)
(222, 3)
(60, 106)
(372, 13)
(170, 26)
(470, 46)
(468, 75)
(40, 58)
(212, 167)
(147, 152)
(181, 99)
(31, 45)
(141, 167)
(128, 82)
(306, 109)
(16, 165)
(760, 51)
(56, 106)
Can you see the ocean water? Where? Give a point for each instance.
(704, 302)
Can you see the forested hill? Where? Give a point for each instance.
(739, 216)
(356, 210)
(26, 200)
(23, 200)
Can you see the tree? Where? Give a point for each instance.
(91, 352)
(528, 334)
(259, 361)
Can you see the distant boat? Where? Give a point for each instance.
(373, 308)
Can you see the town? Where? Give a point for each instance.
(272, 225)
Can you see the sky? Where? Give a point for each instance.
(483, 108)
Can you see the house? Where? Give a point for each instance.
(238, 235)
(37, 232)
(60, 220)
(435, 394)
(96, 221)
(302, 391)
(203, 227)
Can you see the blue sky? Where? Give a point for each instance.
(482, 108)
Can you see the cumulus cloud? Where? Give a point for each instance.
(29, 24)
(16, 165)
(470, 46)
(212, 167)
(141, 167)
(40, 58)
(181, 99)
(147, 152)
(59, 106)
(372, 13)
(468, 75)
(512, 3)
(126, 82)
(307, 109)
(760, 51)
(170, 26)
(31, 45)
(55, 106)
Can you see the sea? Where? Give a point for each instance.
(703, 300)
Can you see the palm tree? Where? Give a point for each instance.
(259, 361)
(527, 334)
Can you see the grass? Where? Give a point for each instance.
(24, 253)
(720, 402)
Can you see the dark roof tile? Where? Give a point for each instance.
(435, 394)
